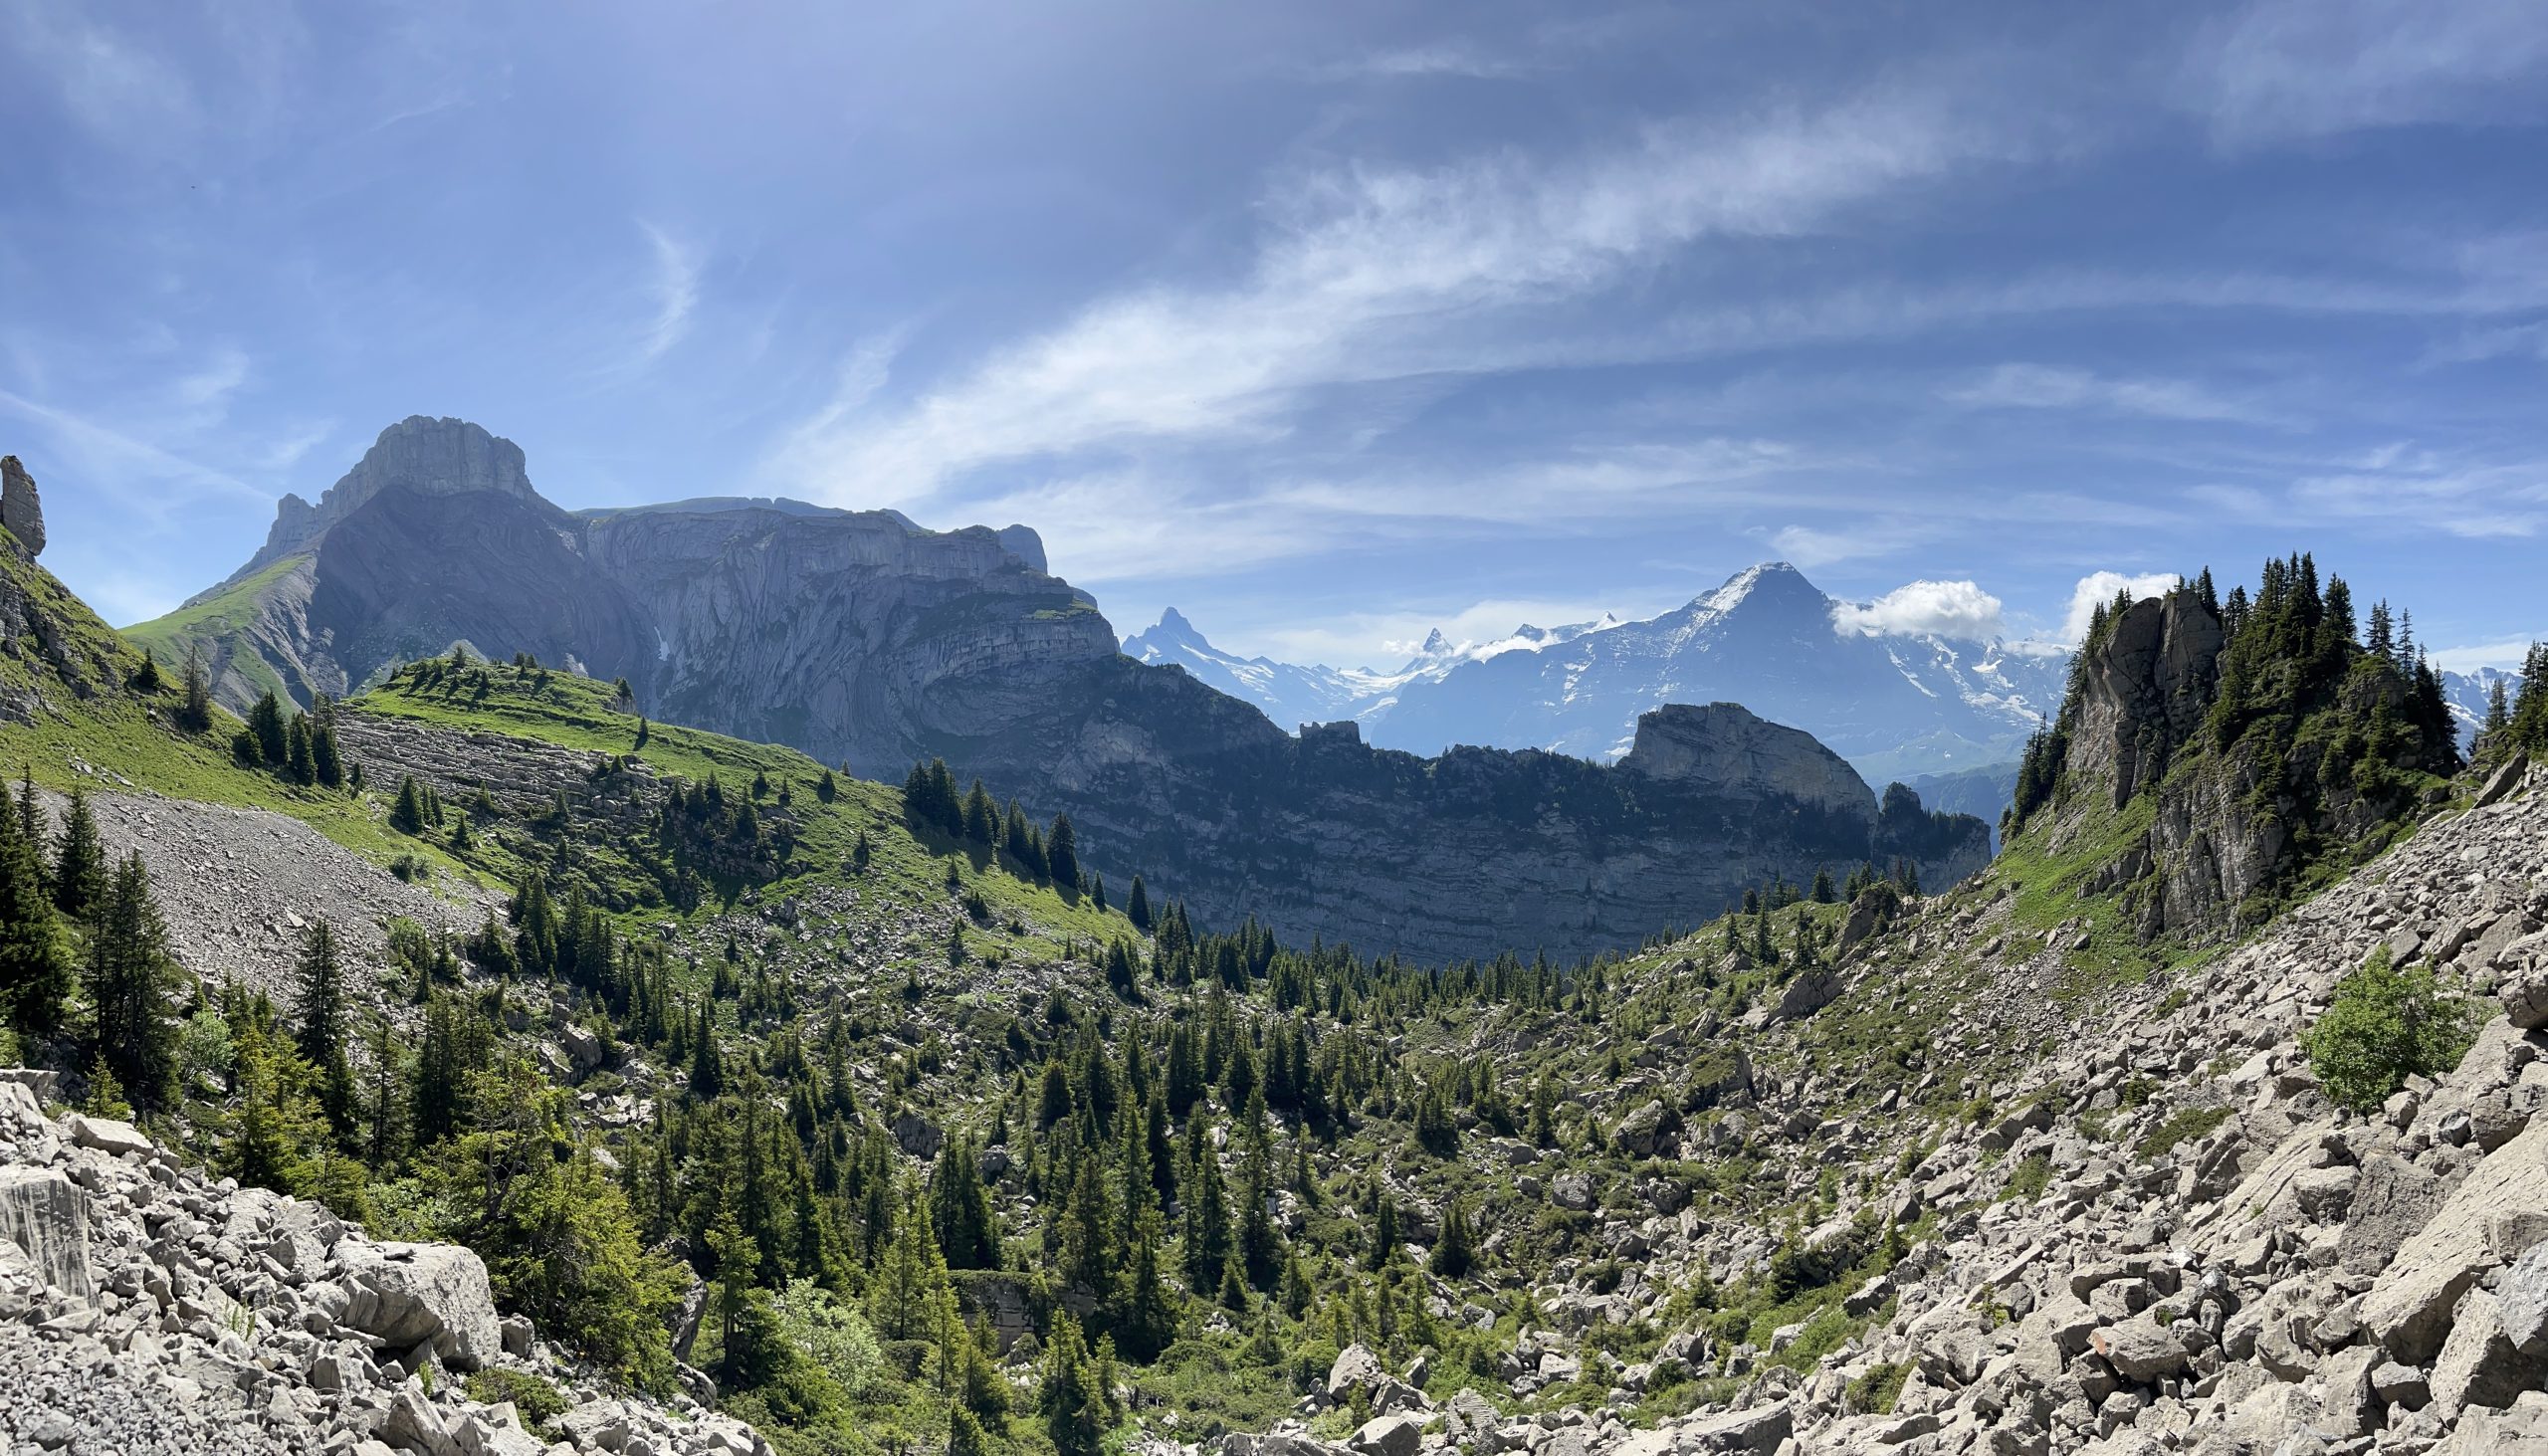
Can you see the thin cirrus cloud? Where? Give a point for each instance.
(674, 290)
(2043, 386)
(1368, 275)
(2314, 68)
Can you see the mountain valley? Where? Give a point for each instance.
(879, 1106)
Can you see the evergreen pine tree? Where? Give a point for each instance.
(1136, 907)
(265, 719)
(129, 974)
(194, 710)
(80, 859)
(299, 763)
(1071, 1397)
(327, 761)
(323, 1030)
(1147, 1321)
(407, 815)
(1455, 1250)
(1061, 855)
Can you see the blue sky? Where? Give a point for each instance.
(1325, 323)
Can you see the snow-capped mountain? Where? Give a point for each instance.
(1290, 695)
(1895, 704)
(2468, 693)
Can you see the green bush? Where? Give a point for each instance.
(535, 1399)
(2384, 1026)
(1876, 1391)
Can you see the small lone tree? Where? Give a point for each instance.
(2383, 1026)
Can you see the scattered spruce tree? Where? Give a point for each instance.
(194, 709)
(80, 859)
(131, 973)
(34, 965)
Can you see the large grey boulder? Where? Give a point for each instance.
(46, 1216)
(1755, 1432)
(108, 1135)
(2409, 1310)
(2522, 1300)
(408, 1293)
(2140, 1349)
(1388, 1435)
(2393, 1199)
(1355, 1368)
(2478, 1364)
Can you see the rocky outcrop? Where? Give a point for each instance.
(21, 507)
(412, 1294)
(2235, 817)
(2143, 692)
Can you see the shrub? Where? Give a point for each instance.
(535, 1400)
(2384, 1026)
(1876, 1391)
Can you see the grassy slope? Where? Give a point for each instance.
(116, 736)
(578, 713)
(202, 623)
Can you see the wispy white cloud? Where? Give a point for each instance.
(1368, 275)
(2051, 387)
(121, 93)
(1440, 58)
(1958, 609)
(2280, 69)
(674, 289)
(143, 476)
(1821, 545)
(2099, 588)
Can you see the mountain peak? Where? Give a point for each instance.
(1435, 644)
(1172, 620)
(421, 453)
(1769, 584)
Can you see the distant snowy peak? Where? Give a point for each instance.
(1894, 704)
(2468, 695)
(1289, 695)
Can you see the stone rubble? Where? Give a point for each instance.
(146, 1311)
(2280, 1278)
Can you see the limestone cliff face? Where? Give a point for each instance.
(865, 640)
(1470, 853)
(2145, 692)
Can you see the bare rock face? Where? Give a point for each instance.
(444, 457)
(2146, 689)
(1725, 745)
(21, 509)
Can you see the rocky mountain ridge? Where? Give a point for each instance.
(864, 641)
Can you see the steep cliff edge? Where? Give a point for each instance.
(2214, 759)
